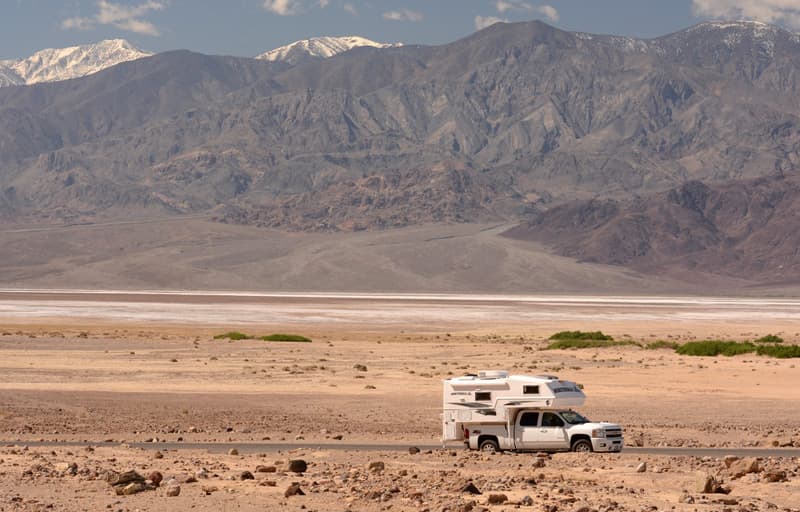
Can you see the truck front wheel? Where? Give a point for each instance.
(489, 446)
(582, 445)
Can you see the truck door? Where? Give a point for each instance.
(552, 433)
(526, 432)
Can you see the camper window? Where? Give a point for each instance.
(530, 390)
(529, 419)
(483, 396)
(551, 420)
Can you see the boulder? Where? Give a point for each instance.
(775, 476)
(470, 488)
(155, 477)
(743, 467)
(173, 490)
(641, 468)
(246, 475)
(294, 490)
(122, 479)
(376, 466)
(497, 499)
(298, 466)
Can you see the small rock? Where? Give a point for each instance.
(413, 450)
(744, 467)
(775, 476)
(233, 451)
(131, 488)
(338, 437)
(370, 386)
(360, 367)
(266, 469)
(470, 488)
(497, 499)
(641, 468)
(208, 489)
(158, 455)
(246, 475)
(298, 466)
(122, 479)
(526, 501)
(686, 498)
(173, 490)
(294, 490)
(156, 477)
(376, 466)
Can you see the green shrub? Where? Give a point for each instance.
(573, 343)
(233, 335)
(662, 344)
(286, 337)
(715, 347)
(779, 351)
(580, 335)
(769, 338)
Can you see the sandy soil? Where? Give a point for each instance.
(72, 375)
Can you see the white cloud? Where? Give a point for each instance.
(481, 22)
(768, 11)
(283, 7)
(403, 15)
(547, 11)
(125, 17)
(350, 8)
(324, 3)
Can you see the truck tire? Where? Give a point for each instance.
(581, 445)
(489, 445)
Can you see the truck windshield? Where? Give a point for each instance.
(573, 417)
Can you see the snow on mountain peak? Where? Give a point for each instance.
(319, 47)
(55, 64)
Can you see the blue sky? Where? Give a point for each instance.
(249, 27)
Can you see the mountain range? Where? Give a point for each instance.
(571, 135)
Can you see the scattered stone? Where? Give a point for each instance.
(376, 466)
(233, 451)
(743, 467)
(294, 490)
(730, 459)
(413, 450)
(338, 437)
(470, 488)
(707, 484)
(775, 476)
(526, 501)
(131, 488)
(266, 469)
(208, 489)
(156, 477)
(122, 479)
(360, 367)
(641, 468)
(158, 455)
(246, 475)
(497, 499)
(370, 386)
(688, 499)
(173, 490)
(298, 466)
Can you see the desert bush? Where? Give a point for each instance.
(564, 344)
(779, 351)
(662, 344)
(233, 335)
(286, 337)
(581, 335)
(769, 338)
(711, 348)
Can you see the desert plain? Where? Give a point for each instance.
(94, 385)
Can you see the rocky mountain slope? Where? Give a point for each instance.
(53, 65)
(317, 48)
(513, 120)
(740, 228)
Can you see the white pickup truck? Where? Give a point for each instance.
(492, 411)
(545, 430)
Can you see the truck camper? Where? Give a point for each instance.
(492, 411)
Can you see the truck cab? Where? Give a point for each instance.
(546, 430)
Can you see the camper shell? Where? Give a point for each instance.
(495, 410)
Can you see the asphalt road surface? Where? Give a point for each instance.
(246, 447)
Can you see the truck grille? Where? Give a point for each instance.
(613, 432)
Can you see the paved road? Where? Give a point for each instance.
(249, 447)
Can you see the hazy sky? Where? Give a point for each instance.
(249, 27)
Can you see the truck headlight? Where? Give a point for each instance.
(598, 433)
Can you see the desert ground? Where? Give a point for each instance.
(137, 380)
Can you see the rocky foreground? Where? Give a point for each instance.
(127, 479)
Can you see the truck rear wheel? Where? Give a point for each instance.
(489, 446)
(582, 445)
